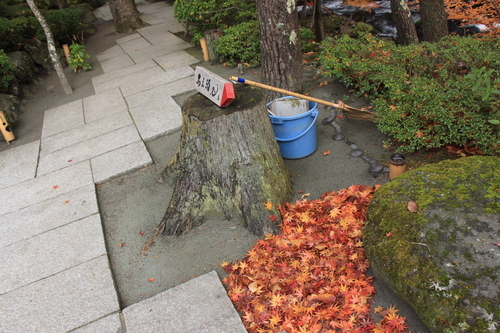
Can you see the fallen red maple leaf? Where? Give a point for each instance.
(312, 276)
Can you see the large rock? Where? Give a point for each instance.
(23, 67)
(39, 54)
(443, 260)
(11, 107)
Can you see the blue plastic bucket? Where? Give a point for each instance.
(296, 135)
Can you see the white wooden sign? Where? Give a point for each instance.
(214, 87)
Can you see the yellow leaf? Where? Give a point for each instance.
(253, 287)
(268, 205)
(274, 320)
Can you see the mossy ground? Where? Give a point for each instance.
(440, 259)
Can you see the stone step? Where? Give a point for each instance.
(200, 305)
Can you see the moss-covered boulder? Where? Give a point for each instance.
(23, 67)
(444, 260)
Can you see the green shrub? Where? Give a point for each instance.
(333, 23)
(361, 29)
(64, 24)
(426, 95)
(307, 40)
(10, 11)
(78, 58)
(201, 15)
(5, 67)
(240, 44)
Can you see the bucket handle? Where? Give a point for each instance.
(315, 115)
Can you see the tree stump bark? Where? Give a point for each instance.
(211, 36)
(228, 161)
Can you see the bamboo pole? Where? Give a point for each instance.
(360, 114)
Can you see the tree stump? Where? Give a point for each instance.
(228, 161)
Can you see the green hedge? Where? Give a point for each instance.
(5, 66)
(426, 95)
(202, 15)
(64, 24)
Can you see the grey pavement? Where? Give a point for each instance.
(54, 269)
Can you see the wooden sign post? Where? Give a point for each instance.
(214, 87)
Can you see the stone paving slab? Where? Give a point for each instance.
(61, 302)
(108, 324)
(147, 53)
(133, 81)
(104, 12)
(116, 63)
(62, 118)
(155, 7)
(200, 305)
(146, 83)
(176, 59)
(169, 89)
(45, 187)
(85, 150)
(103, 105)
(100, 81)
(135, 45)
(18, 164)
(162, 115)
(85, 132)
(128, 38)
(47, 215)
(113, 52)
(51, 252)
(161, 39)
(120, 161)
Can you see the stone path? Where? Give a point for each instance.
(54, 268)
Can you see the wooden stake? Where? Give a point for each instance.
(203, 44)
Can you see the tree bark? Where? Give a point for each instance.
(434, 20)
(319, 31)
(281, 54)
(211, 36)
(52, 48)
(125, 15)
(407, 32)
(229, 162)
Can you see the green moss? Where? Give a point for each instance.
(410, 249)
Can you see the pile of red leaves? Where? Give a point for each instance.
(312, 277)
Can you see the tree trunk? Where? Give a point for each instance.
(434, 20)
(281, 54)
(319, 32)
(229, 162)
(211, 36)
(125, 15)
(52, 48)
(61, 4)
(407, 32)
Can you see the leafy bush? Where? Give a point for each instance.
(426, 95)
(240, 43)
(78, 58)
(5, 67)
(64, 24)
(201, 15)
(307, 39)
